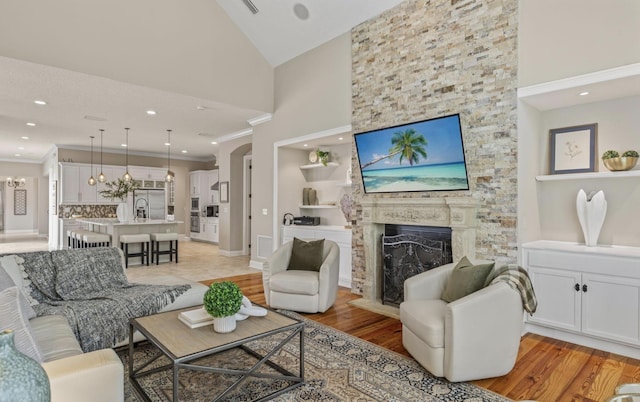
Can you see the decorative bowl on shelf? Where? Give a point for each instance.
(620, 163)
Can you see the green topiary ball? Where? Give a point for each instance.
(222, 299)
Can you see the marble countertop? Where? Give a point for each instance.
(115, 222)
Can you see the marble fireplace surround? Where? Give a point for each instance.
(458, 213)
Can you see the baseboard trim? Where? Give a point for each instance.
(256, 264)
(228, 253)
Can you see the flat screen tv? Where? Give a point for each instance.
(426, 155)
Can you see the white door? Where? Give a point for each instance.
(610, 307)
(559, 294)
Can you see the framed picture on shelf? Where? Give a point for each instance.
(573, 149)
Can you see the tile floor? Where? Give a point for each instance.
(198, 261)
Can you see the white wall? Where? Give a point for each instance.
(36, 219)
(559, 39)
(618, 123)
(312, 94)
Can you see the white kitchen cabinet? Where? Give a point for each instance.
(75, 186)
(211, 231)
(338, 234)
(586, 295)
(200, 184)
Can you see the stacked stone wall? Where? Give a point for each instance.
(426, 59)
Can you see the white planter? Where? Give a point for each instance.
(591, 212)
(224, 324)
(123, 213)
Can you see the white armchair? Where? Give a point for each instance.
(304, 291)
(474, 337)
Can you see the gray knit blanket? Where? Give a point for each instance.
(518, 279)
(90, 288)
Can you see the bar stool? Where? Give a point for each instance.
(96, 239)
(77, 237)
(156, 238)
(70, 238)
(127, 239)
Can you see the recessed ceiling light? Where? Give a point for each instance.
(167, 144)
(184, 151)
(30, 124)
(301, 11)
(214, 142)
(39, 102)
(123, 145)
(584, 93)
(18, 155)
(151, 112)
(340, 138)
(25, 138)
(21, 148)
(305, 145)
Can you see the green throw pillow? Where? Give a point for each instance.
(465, 279)
(306, 255)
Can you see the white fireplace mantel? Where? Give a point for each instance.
(458, 213)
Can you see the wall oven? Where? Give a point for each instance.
(195, 222)
(195, 204)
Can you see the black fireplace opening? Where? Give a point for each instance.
(409, 250)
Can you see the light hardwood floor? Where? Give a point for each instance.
(547, 370)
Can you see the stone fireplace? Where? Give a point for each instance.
(458, 213)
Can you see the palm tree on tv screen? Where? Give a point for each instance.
(408, 144)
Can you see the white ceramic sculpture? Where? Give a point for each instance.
(591, 210)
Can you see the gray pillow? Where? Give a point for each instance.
(465, 279)
(12, 317)
(306, 255)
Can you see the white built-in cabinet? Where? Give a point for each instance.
(201, 183)
(337, 234)
(75, 188)
(586, 295)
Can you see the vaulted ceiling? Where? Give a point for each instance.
(204, 67)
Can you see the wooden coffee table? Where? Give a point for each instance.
(183, 346)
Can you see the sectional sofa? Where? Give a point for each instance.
(67, 309)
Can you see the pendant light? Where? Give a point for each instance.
(92, 181)
(170, 175)
(101, 177)
(127, 176)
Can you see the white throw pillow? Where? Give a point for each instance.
(12, 317)
(12, 264)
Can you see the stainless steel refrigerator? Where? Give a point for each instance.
(149, 204)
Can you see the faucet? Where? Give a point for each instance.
(146, 206)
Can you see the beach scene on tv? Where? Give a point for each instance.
(422, 156)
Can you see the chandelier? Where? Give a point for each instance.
(11, 182)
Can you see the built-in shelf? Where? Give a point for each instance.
(589, 176)
(319, 165)
(317, 206)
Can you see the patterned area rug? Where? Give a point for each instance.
(338, 367)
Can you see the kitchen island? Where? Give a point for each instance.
(116, 228)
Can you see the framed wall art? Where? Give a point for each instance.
(224, 192)
(19, 202)
(573, 149)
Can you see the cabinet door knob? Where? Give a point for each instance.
(584, 288)
(577, 287)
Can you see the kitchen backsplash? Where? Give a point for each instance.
(87, 211)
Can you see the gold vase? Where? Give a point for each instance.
(620, 163)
